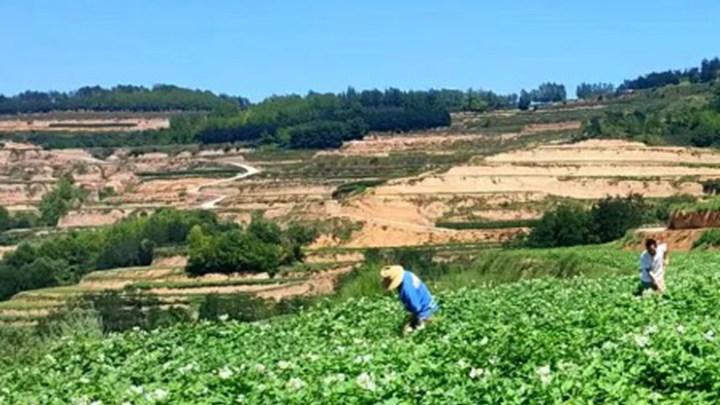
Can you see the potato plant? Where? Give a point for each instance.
(577, 341)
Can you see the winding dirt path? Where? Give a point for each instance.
(208, 205)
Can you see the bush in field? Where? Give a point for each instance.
(566, 225)
(711, 186)
(607, 220)
(58, 202)
(612, 217)
(230, 252)
(261, 248)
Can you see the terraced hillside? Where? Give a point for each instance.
(168, 283)
(511, 187)
(483, 179)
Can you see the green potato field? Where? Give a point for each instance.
(541, 341)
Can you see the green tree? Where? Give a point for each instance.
(58, 202)
(524, 100)
(715, 103)
(6, 221)
(566, 225)
(612, 217)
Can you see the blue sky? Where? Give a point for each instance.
(259, 48)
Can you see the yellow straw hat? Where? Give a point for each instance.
(394, 274)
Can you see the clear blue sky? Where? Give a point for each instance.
(258, 48)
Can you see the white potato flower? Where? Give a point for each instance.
(296, 384)
(365, 381)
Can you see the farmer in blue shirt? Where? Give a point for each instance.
(413, 293)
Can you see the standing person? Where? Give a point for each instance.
(413, 293)
(652, 266)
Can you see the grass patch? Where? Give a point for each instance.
(180, 285)
(489, 267)
(190, 173)
(709, 205)
(349, 189)
(92, 125)
(516, 223)
(709, 239)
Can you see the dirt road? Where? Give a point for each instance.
(208, 205)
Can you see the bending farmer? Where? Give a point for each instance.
(413, 293)
(652, 266)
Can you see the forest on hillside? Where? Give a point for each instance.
(161, 97)
(326, 120)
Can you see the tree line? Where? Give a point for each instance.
(545, 93)
(63, 258)
(587, 91)
(708, 71)
(606, 220)
(317, 120)
(162, 97)
(214, 247)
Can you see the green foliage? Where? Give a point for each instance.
(711, 186)
(314, 121)
(480, 100)
(106, 192)
(708, 71)
(715, 103)
(248, 308)
(348, 189)
(607, 220)
(707, 205)
(239, 307)
(566, 225)
(64, 258)
(58, 202)
(710, 238)
(586, 91)
(121, 311)
(660, 210)
(545, 93)
(599, 345)
(612, 217)
(516, 223)
(549, 93)
(261, 248)
(161, 97)
(692, 121)
(323, 134)
(5, 219)
(525, 100)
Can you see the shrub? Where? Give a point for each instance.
(613, 216)
(58, 202)
(261, 248)
(230, 252)
(566, 225)
(711, 186)
(607, 220)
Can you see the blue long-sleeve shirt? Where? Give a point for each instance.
(416, 297)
